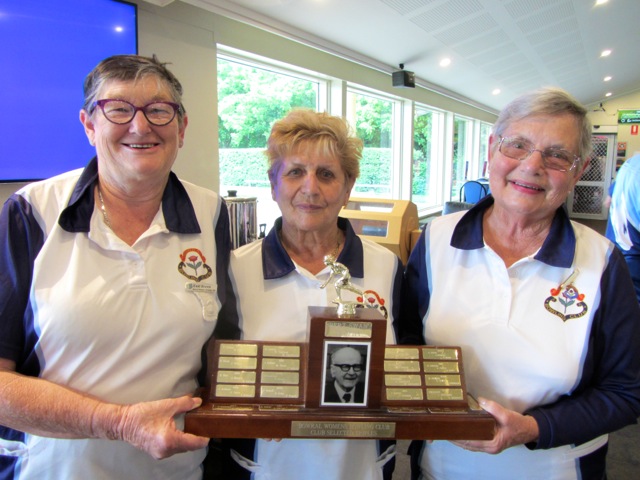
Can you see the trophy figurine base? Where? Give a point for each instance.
(265, 421)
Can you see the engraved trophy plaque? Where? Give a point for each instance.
(344, 382)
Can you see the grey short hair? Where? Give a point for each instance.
(547, 101)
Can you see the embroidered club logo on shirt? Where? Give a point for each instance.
(193, 265)
(566, 302)
(373, 300)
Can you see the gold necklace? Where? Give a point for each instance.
(102, 207)
(334, 254)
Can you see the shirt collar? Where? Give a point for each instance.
(557, 250)
(276, 262)
(178, 211)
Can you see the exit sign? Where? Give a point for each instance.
(628, 116)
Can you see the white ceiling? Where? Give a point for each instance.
(512, 45)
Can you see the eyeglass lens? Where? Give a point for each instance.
(554, 158)
(121, 112)
(345, 367)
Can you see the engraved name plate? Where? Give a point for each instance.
(288, 378)
(441, 367)
(402, 380)
(401, 366)
(235, 376)
(239, 349)
(238, 363)
(440, 354)
(279, 391)
(392, 353)
(280, 364)
(235, 391)
(413, 394)
(281, 351)
(442, 380)
(444, 394)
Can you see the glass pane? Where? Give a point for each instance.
(460, 164)
(423, 192)
(485, 132)
(373, 119)
(250, 99)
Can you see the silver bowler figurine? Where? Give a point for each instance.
(340, 273)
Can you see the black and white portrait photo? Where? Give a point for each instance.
(345, 372)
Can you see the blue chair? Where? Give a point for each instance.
(472, 191)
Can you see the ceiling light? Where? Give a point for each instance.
(607, 78)
(605, 53)
(601, 2)
(608, 94)
(445, 62)
(496, 91)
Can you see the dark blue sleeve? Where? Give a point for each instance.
(21, 239)
(607, 397)
(415, 296)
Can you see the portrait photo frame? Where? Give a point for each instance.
(334, 376)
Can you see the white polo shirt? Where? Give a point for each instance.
(123, 323)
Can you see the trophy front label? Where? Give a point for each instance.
(280, 364)
(344, 329)
(343, 429)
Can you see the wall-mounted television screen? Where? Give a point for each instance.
(48, 47)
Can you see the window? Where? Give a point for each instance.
(251, 97)
(462, 154)
(373, 118)
(427, 128)
(485, 132)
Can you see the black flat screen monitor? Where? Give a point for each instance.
(48, 47)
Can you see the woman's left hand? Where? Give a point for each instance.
(512, 428)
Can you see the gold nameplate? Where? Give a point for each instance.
(440, 354)
(235, 391)
(234, 376)
(401, 366)
(404, 394)
(280, 364)
(345, 329)
(281, 351)
(237, 363)
(279, 391)
(442, 380)
(239, 349)
(287, 378)
(392, 353)
(441, 367)
(343, 429)
(444, 394)
(402, 380)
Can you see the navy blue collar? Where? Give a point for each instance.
(557, 250)
(276, 263)
(177, 208)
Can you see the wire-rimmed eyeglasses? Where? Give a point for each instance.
(345, 367)
(121, 112)
(553, 158)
